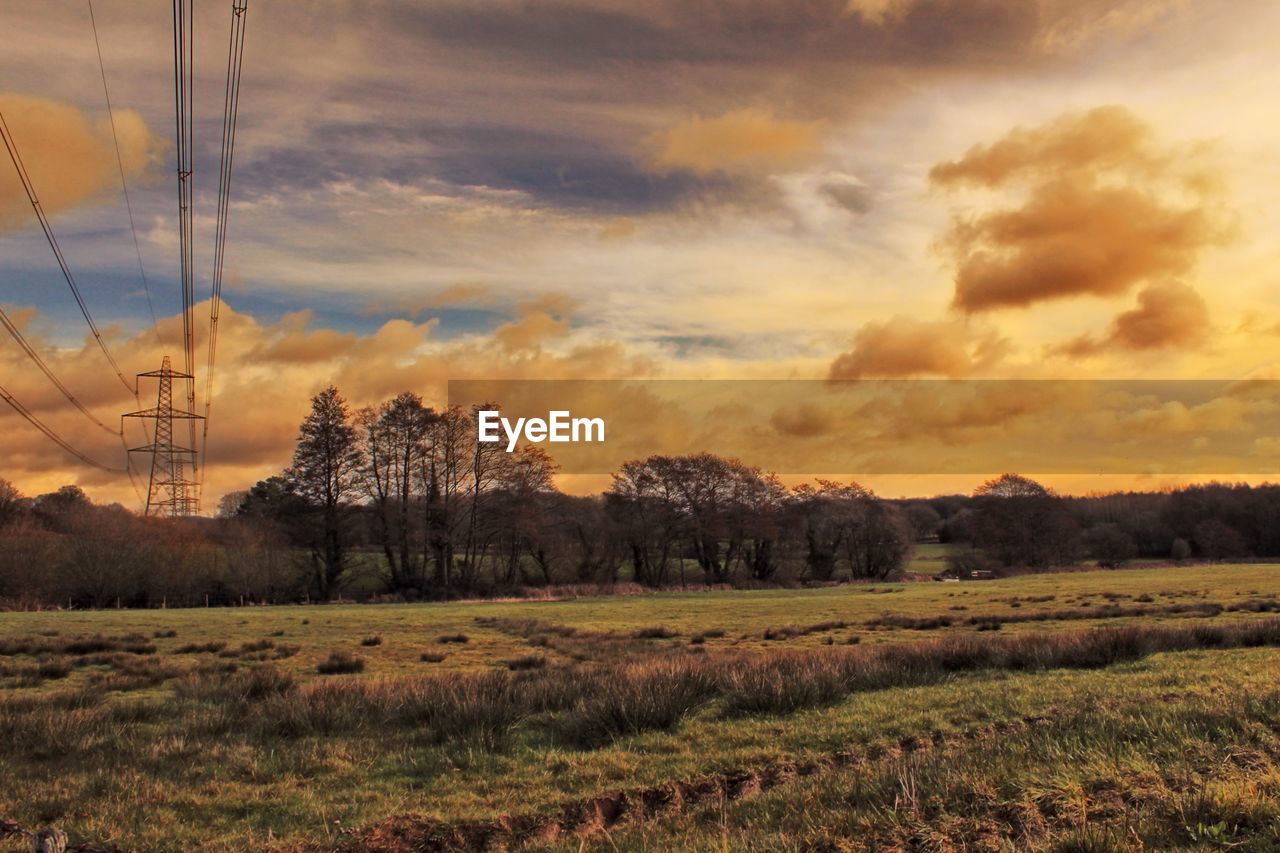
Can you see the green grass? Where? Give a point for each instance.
(1199, 773)
(231, 747)
(929, 558)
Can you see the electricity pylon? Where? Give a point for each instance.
(170, 492)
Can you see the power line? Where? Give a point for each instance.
(53, 244)
(230, 111)
(17, 335)
(128, 469)
(50, 434)
(133, 230)
(124, 186)
(183, 81)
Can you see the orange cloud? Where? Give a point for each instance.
(803, 421)
(1168, 314)
(1106, 209)
(879, 12)
(905, 347)
(71, 159)
(747, 140)
(415, 306)
(265, 375)
(541, 320)
(302, 347)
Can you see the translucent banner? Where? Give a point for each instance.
(861, 427)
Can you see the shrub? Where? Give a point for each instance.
(479, 708)
(197, 648)
(525, 663)
(324, 708)
(375, 640)
(250, 685)
(432, 657)
(282, 652)
(167, 633)
(132, 643)
(340, 663)
(654, 632)
(53, 669)
(781, 684)
(922, 623)
(453, 638)
(638, 698)
(963, 563)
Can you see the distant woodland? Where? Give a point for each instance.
(400, 501)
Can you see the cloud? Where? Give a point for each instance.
(1168, 314)
(853, 196)
(1109, 136)
(1104, 209)
(266, 373)
(451, 296)
(294, 344)
(1071, 24)
(880, 12)
(906, 347)
(804, 421)
(745, 140)
(541, 320)
(1064, 25)
(70, 157)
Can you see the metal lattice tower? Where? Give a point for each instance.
(170, 492)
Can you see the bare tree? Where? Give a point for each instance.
(395, 443)
(822, 514)
(325, 471)
(1021, 523)
(523, 511)
(447, 471)
(877, 539)
(646, 510)
(11, 503)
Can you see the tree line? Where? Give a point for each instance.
(401, 499)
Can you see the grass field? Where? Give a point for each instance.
(980, 714)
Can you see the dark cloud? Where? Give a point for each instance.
(706, 32)
(560, 170)
(555, 33)
(556, 99)
(854, 198)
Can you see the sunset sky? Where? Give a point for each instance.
(667, 189)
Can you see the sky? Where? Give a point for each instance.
(595, 189)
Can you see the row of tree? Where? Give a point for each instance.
(402, 499)
(444, 512)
